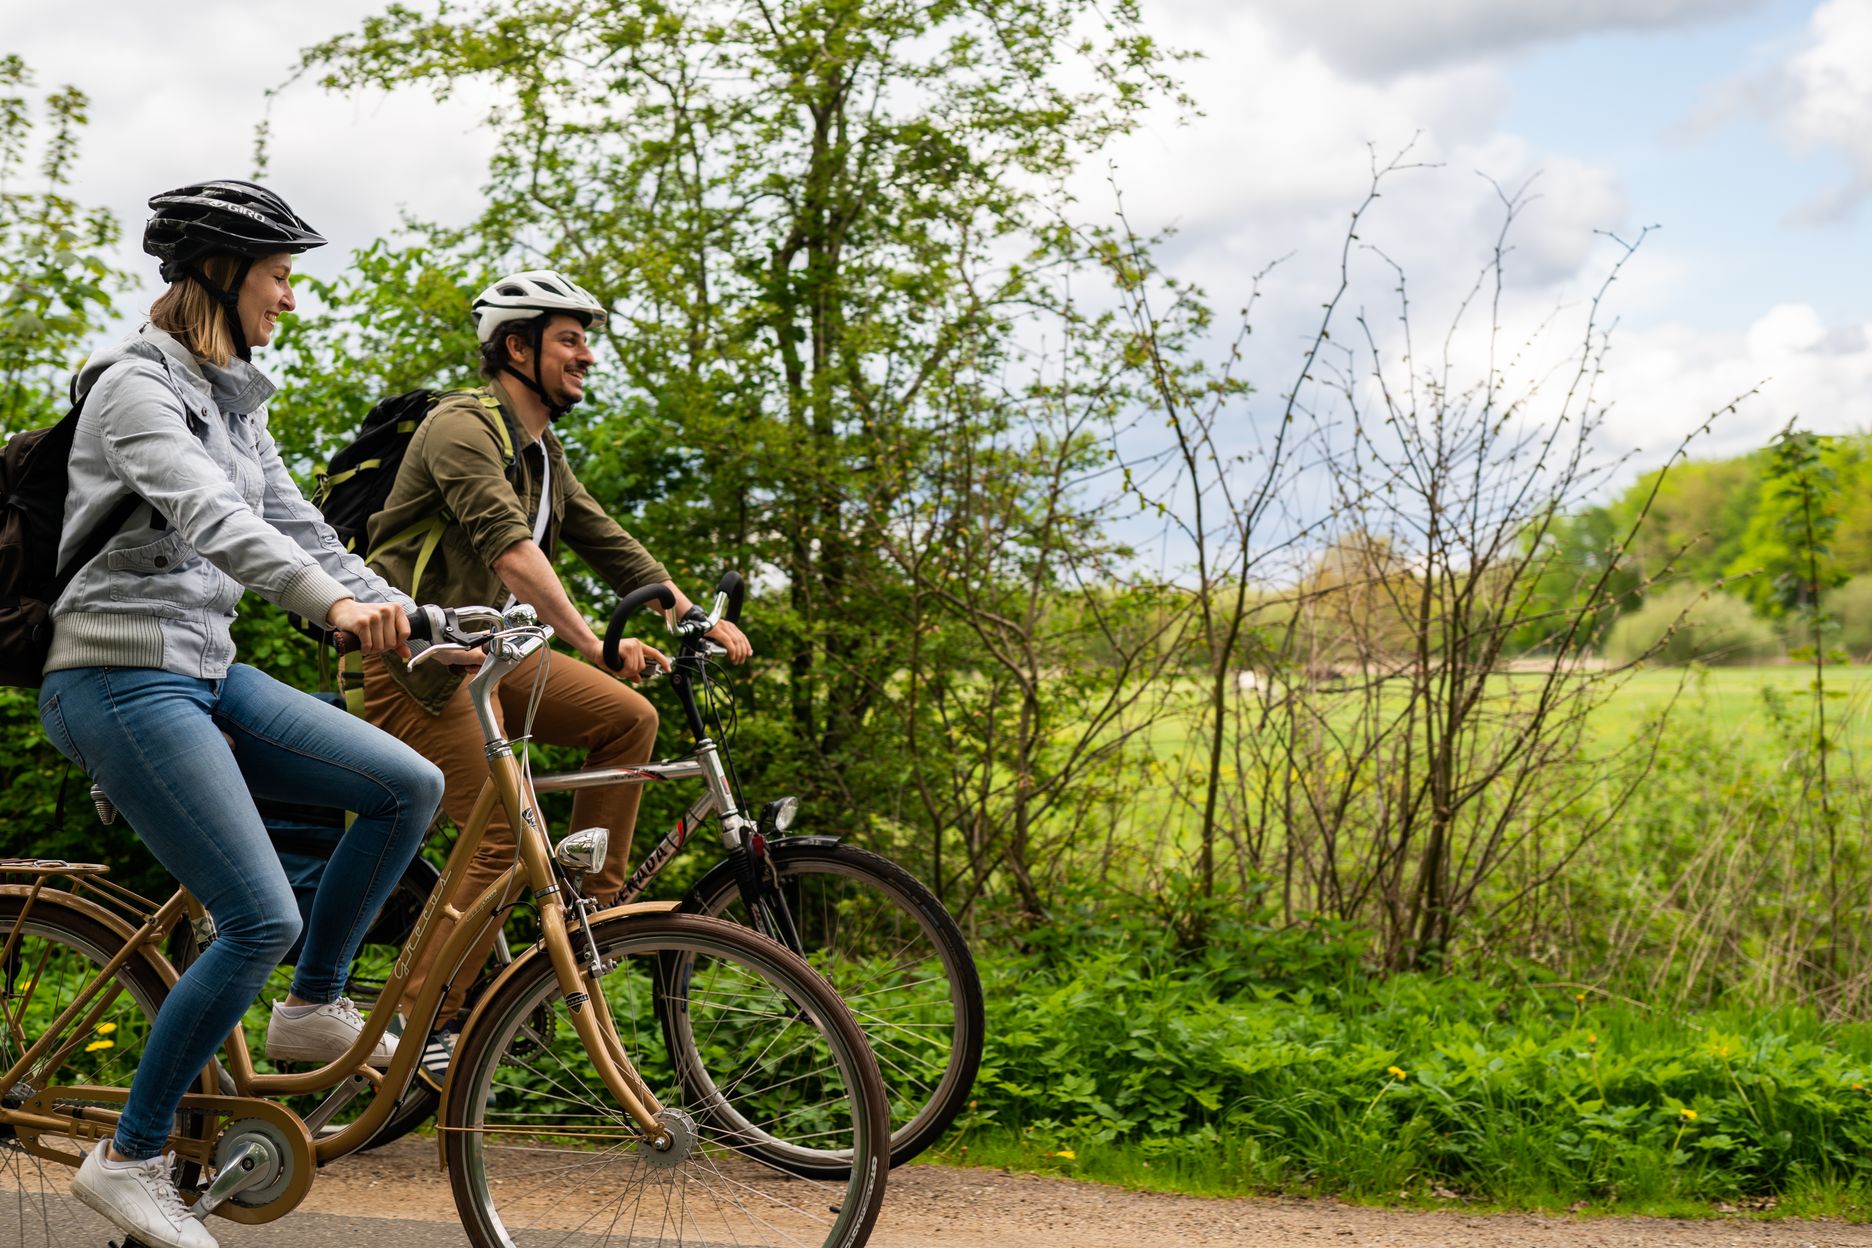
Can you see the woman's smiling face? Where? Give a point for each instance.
(265, 296)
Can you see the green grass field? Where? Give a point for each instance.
(1736, 704)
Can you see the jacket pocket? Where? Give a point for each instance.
(165, 575)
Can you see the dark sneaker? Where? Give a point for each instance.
(432, 1067)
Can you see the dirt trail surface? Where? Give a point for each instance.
(941, 1207)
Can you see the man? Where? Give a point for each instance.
(465, 524)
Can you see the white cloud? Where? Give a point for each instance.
(1668, 378)
(1383, 40)
(177, 90)
(1279, 160)
(1820, 97)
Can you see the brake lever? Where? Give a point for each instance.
(440, 648)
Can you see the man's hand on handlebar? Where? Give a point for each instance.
(378, 626)
(633, 658)
(728, 636)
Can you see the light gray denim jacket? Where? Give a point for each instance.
(221, 513)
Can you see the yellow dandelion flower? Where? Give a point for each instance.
(96, 1045)
(1396, 1072)
(1068, 1154)
(105, 1029)
(1592, 1037)
(1579, 998)
(1858, 1087)
(1689, 1115)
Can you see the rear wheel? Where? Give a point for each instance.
(897, 959)
(539, 1156)
(49, 952)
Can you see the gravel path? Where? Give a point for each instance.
(944, 1207)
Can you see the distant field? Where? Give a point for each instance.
(1730, 700)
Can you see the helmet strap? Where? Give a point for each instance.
(229, 299)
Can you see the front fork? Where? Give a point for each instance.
(759, 883)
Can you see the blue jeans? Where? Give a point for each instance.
(154, 741)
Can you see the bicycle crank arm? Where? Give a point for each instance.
(255, 1162)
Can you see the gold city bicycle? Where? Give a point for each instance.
(564, 1120)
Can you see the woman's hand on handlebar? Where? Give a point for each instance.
(378, 626)
(633, 658)
(728, 635)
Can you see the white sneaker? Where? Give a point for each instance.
(140, 1198)
(322, 1034)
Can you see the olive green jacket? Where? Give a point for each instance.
(470, 464)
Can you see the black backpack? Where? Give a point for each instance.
(35, 469)
(358, 481)
(355, 484)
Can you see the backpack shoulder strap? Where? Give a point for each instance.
(100, 537)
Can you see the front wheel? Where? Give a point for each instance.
(897, 959)
(539, 1156)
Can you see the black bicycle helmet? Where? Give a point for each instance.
(225, 217)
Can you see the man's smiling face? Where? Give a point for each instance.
(565, 358)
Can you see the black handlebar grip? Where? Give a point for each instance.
(344, 643)
(736, 589)
(428, 624)
(641, 596)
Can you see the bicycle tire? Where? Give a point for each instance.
(911, 1034)
(520, 1115)
(63, 947)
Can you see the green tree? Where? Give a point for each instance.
(823, 225)
(56, 295)
(56, 285)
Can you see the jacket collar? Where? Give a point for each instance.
(240, 387)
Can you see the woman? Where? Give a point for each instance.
(142, 691)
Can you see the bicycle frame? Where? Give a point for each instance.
(716, 796)
(534, 867)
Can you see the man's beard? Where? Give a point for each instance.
(565, 398)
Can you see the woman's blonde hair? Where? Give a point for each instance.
(188, 313)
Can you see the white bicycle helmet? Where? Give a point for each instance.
(524, 295)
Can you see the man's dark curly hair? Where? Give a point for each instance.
(494, 354)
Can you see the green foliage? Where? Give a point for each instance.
(56, 291)
(820, 227)
(1850, 606)
(1257, 1073)
(1691, 627)
(1742, 519)
(55, 285)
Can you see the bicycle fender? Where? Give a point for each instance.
(52, 898)
(777, 848)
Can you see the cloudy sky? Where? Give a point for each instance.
(1742, 128)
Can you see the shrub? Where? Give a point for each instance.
(1684, 625)
(1851, 607)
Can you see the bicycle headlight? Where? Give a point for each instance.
(777, 817)
(584, 850)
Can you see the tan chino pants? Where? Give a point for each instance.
(581, 706)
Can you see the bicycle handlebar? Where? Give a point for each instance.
(734, 589)
(643, 595)
(730, 591)
(429, 624)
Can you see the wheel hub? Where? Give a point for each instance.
(680, 1138)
